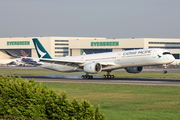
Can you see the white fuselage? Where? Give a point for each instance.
(115, 60)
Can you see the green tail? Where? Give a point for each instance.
(41, 51)
(82, 51)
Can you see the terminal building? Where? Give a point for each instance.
(70, 46)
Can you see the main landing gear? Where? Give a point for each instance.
(108, 75)
(87, 76)
(164, 71)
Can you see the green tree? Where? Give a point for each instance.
(27, 99)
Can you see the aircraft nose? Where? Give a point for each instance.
(174, 63)
(172, 58)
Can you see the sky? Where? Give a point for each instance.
(90, 18)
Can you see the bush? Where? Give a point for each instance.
(26, 99)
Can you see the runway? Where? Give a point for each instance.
(98, 80)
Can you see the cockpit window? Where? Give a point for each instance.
(166, 53)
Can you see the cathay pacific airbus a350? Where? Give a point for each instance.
(131, 60)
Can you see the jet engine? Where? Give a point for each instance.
(134, 69)
(92, 68)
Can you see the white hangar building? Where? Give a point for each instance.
(70, 46)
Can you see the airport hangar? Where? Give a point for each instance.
(70, 46)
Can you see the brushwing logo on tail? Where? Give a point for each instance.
(41, 54)
(159, 56)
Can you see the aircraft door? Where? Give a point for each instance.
(83, 59)
(154, 54)
(118, 57)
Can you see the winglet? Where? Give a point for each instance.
(41, 51)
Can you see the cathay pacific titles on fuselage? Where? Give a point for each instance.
(141, 52)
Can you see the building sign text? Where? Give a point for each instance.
(115, 43)
(18, 42)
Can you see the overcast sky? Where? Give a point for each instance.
(90, 18)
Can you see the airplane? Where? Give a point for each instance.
(132, 61)
(25, 59)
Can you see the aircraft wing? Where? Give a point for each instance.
(62, 62)
(72, 63)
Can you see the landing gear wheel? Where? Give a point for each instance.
(90, 77)
(83, 76)
(108, 76)
(164, 66)
(112, 76)
(164, 71)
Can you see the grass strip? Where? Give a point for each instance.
(127, 102)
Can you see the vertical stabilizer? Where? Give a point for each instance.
(41, 51)
(82, 52)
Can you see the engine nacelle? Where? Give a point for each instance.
(134, 69)
(92, 68)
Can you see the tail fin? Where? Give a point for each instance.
(41, 52)
(23, 53)
(82, 51)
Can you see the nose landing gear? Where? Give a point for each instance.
(164, 71)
